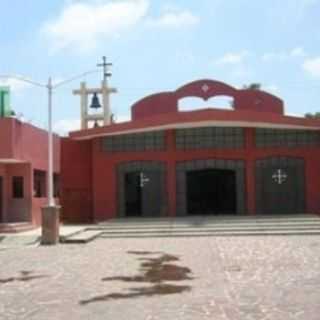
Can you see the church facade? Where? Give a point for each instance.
(250, 160)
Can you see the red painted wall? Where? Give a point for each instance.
(76, 180)
(25, 142)
(167, 102)
(6, 139)
(104, 168)
(23, 148)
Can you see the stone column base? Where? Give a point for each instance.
(50, 225)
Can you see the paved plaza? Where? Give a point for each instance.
(271, 277)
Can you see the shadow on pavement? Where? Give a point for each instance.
(154, 270)
(23, 277)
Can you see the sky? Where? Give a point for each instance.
(155, 46)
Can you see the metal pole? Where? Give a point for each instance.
(51, 202)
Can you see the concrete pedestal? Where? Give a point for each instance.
(50, 225)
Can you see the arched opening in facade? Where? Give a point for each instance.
(217, 102)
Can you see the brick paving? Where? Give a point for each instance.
(231, 278)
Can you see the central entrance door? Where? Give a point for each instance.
(143, 194)
(133, 192)
(211, 191)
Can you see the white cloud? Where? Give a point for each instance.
(63, 127)
(297, 52)
(233, 58)
(175, 19)
(271, 56)
(312, 66)
(14, 84)
(82, 25)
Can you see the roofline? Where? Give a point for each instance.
(200, 118)
(200, 124)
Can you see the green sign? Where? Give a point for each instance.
(5, 109)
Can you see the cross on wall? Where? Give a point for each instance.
(279, 176)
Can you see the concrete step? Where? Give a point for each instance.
(16, 227)
(211, 226)
(199, 227)
(81, 237)
(18, 240)
(213, 234)
(209, 229)
(181, 221)
(315, 224)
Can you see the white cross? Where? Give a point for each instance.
(205, 88)
(279, 176)
(143, 179)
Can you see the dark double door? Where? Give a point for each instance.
(143, 196)
(211, 191)
(280, 186)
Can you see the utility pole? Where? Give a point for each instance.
(105, 66)
(51, 202)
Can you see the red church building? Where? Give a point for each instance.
(250, 160)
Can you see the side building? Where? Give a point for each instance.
(23, 171)
(250, 160)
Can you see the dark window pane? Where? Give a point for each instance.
(39, 183)
(56, 185)
(17, 187)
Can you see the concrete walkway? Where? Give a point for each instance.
(32, 237)
(203, 278)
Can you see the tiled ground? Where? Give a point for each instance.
(231, 278)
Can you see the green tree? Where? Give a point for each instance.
(253, 86)
(315, 115)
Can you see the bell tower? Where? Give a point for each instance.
(98, 117)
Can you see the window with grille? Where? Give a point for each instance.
(148, 141)
(209, 138)
(286, 138)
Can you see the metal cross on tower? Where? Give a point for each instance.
(105, 66)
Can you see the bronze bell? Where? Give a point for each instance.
(95, 103)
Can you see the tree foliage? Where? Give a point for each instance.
(253, 86)
(315, 115)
